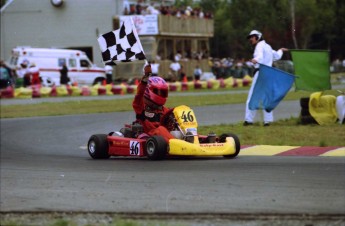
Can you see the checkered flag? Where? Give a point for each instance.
(121, 45)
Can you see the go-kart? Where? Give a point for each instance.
(182, 124)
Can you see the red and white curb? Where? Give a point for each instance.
(269, 150)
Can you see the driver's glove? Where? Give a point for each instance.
(147, 73)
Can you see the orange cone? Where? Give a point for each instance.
(185, 79)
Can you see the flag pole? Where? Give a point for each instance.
(136, 34)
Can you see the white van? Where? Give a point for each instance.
(50, 61)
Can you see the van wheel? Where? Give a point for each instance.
(98, 81)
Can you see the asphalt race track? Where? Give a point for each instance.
(45, 167)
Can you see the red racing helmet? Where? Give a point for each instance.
(156, 91)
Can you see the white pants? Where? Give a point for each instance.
(340, 107)
(250, 114)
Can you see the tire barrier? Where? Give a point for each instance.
(37, 91)
(322, 109)
(305, 116)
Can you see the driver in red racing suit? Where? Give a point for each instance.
(148, 104)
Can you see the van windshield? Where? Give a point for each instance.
(85, 63)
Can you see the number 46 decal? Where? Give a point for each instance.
(187, 117)
(134, 148)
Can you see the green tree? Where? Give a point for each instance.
(179, 3)
(337, 43)
(303, 24)
(318, 24)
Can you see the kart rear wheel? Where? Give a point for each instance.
(98, 146)
(222, 139)
(156, 147)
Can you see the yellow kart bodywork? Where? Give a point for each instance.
(181, 147)
(192, 144)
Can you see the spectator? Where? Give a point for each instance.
(263, 54)
(250, 67)
(178, 14)
(201, 14)
(23, 74)
(142, 8)
(35, 74)
(239, 73)
(208, 15)
(126, 7)
(210, 62)
(158, 57)
(178, 56)
(155, 68)
(225, 68)
(183, 76)
(174, 70)
(337, 65)
(197, 73)
(132, 9)
(340, 107)
(188, 11)
(216, 69)
(138, 8)
(152, 10)
(109, 73)
(64, 79)
(10, 71)
(164, 10)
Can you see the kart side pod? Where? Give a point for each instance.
(180, 147)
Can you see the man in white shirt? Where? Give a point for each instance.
(155, 68)
(178, 56)
(197, 73)
(35, 74)
(109, 73)
(23, 74)
(263, 54)
(174, 69)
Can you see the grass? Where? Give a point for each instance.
(287, 132)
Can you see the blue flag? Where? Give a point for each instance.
(270, 88)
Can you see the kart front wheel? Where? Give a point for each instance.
(222, 139)
(156, 147)
(98, 146)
